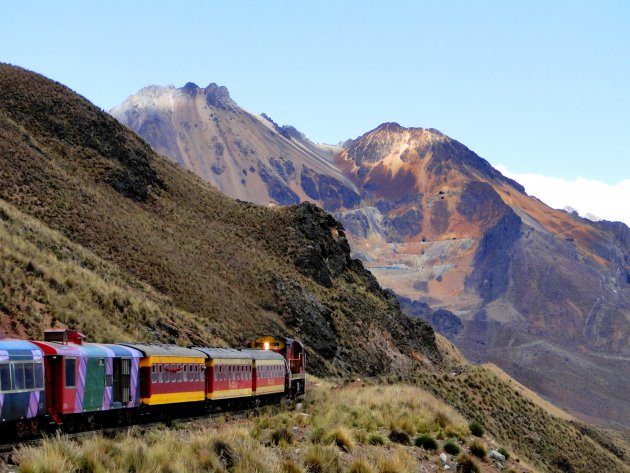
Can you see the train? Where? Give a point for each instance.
(65, 383)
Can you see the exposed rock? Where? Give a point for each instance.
(310, 317)
(329, 253)
(495, 455)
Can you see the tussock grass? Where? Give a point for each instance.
(478, 449)
(322, 459)
(327, 434)
(321, 437)
(399, 461)
(465, 464)
(205, 450)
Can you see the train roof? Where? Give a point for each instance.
(263, 354)
(239, 353)
(225, 353)
(148, 349)
(100, 350)
(19, 349)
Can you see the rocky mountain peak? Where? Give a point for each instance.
(219, 96)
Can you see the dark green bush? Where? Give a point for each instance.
(504, 452)
(476, 429)
(426, 441)
(451, 448)
(399, 436)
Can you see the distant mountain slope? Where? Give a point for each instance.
(246, 156)
(236, 270)
(540, 292)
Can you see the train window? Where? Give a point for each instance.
(185, 373)
(39, 375)
(5, 377)
(153, 374)
(18, 376)
(197, 370)
(29, 379)
(159, 374)
(167, 374)
(71, 372)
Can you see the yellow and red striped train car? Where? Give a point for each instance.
(170, 374)
(270, 372)
(228, 373)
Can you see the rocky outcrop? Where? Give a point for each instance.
(324, 256)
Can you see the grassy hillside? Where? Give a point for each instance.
(353, 428)
(48, 280)
(549, 438)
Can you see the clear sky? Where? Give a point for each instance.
(540, 87)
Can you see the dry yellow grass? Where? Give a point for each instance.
(342, 414)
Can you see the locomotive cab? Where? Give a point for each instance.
(295, 358)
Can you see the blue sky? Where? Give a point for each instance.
(538, 87)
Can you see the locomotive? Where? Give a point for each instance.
(66, 383)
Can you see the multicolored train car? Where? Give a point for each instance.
(22, 394)
(68, 383)
(87, 377)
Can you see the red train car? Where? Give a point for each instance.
(229, 373)
(170, 374)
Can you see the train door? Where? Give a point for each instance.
(54, 385)
(121, 383)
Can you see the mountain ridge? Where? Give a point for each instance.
(436, 223)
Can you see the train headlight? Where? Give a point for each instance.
(266, 345)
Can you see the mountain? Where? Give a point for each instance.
(542, 293)
(126, 244)
(246, 156)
